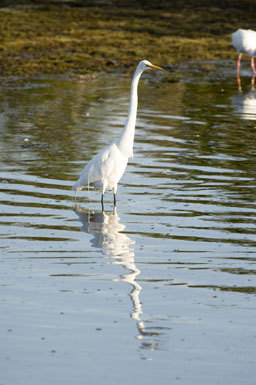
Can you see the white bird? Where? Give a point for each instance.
(106, 168)
(244, 40)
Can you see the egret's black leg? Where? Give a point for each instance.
(114, 199)
(102, 203)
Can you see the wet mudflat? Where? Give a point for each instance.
(162, 290)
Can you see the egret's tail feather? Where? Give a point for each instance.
(77, 187)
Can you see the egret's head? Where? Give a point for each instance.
(146, 65)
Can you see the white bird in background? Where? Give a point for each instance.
(106, 168)
(244, 40)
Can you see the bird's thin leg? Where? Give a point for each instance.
(253, 81)
(102, 203)
(252, 64)
(238, 63)
(114, 192)
(239, 82)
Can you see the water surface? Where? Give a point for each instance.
(160, 290)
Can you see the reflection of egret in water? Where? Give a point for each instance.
(107, 232)
(245, 103)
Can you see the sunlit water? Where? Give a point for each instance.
(160, 291)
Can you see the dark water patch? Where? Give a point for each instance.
(243, 290)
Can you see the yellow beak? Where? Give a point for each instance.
(156, 67)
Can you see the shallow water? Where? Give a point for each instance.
(160, 291)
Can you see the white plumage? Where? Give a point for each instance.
(244, 40)
(106, 169)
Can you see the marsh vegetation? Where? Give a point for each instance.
(86, 37)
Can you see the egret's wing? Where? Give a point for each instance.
(250, 42)
(98, 168)
(244, 40)
(100, 165)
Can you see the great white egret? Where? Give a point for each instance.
(106, 168)
(244, 40)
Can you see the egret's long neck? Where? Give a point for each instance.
(125, 141)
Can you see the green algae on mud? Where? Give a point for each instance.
(84, 37)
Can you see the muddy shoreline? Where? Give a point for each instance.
(84, 38)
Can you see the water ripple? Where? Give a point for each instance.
(173, 266)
